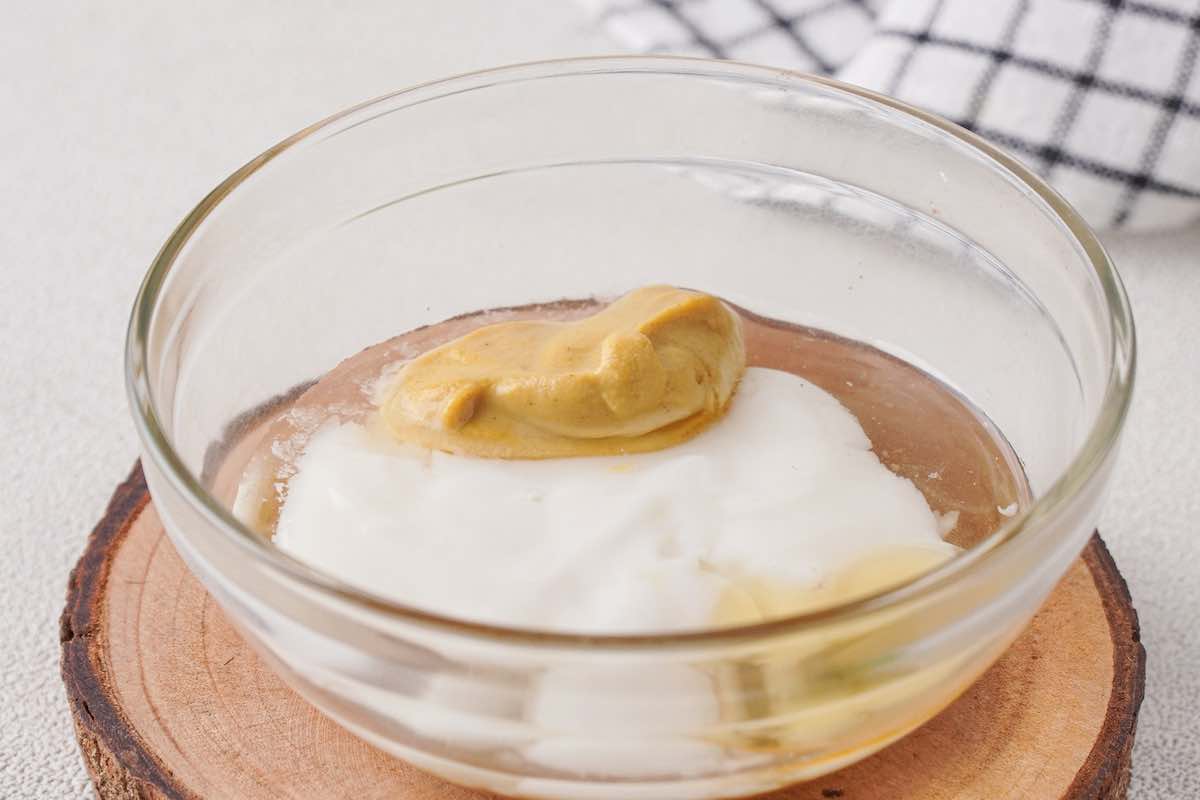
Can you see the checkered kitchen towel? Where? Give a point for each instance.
(1102, 97)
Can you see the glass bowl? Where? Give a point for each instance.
(797, 197)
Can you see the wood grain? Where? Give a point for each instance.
(169, 702)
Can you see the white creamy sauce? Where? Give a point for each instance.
(783, 488)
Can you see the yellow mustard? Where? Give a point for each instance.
(648, 371)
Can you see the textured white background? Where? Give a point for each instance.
(116, 118)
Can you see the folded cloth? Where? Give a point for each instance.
(1101, 97)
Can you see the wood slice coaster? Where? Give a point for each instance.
(169, 702)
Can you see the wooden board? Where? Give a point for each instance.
(169, 702)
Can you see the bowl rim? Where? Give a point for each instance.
(1092, 454)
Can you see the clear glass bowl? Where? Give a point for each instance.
(797, 197)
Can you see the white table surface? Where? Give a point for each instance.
(118, 117)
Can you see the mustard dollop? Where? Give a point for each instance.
(646, 372)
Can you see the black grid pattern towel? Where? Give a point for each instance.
(1102, 97)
